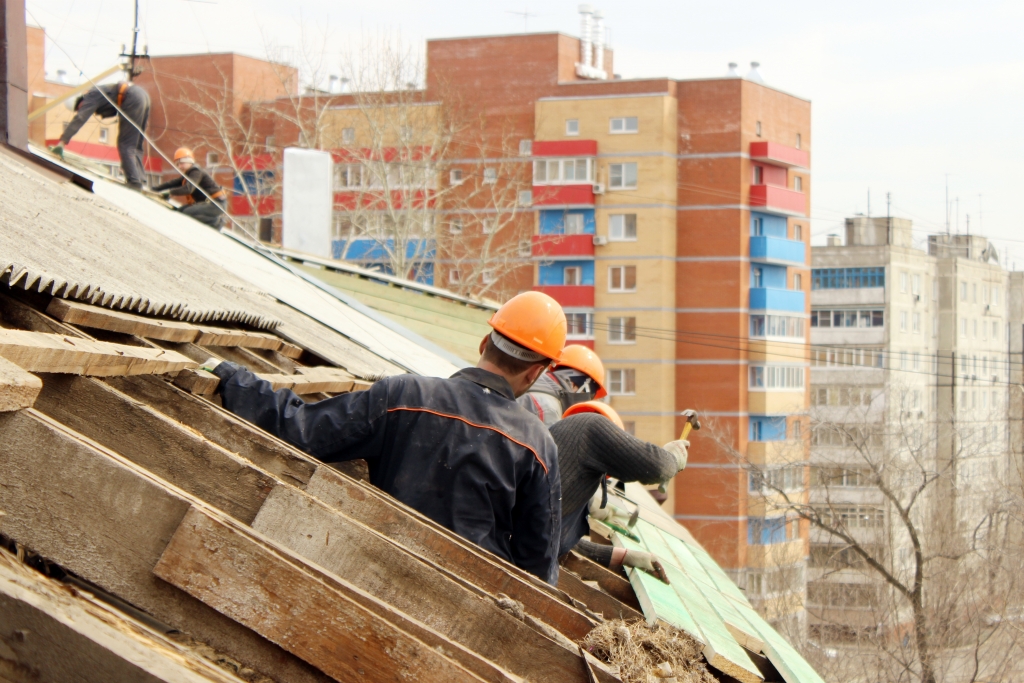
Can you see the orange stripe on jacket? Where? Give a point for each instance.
(473, 424)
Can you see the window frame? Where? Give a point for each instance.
(490, 176)
(624, 228)
(622, 330)
(572, 127)
(623, 279)
(456, 177)
(623, 175)
(625, 385)
(624, 123)
(578, 270)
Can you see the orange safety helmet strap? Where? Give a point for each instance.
(595, 407)
(534, 321)
(583, 359)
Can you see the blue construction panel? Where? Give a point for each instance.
(773, 277)
(553, 222)
(768, 225)
(771, 428)
(777, 249)
(363, 249)
(766, 530)
(553, 274)
(768, 299)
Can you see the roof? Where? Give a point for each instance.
(169, 536)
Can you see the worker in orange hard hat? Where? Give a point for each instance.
(459, 450)
(577, 377)
(203, 199)
(592, 446)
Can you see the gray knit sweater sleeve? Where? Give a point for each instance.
(602, 554)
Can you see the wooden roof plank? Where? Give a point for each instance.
(220, 336)
(76, 313)
(41, 352)
(18, 389)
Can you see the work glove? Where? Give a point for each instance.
(608, 513)
(209, 364)
(58, 149)
(639, 559)
(166, 194)
(679, 449)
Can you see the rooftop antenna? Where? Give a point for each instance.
(134, 56)
(525, 14)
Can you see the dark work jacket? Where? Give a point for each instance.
(459, 450)
(194, 180)
(94, 102)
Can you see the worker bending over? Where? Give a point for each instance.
(205, 200)
(592, 445)
(459, 450)
(132, 110)
(578, 377)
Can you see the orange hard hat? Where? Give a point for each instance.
(595, 407)
(533, 320)
(183, 152)
(579, 357)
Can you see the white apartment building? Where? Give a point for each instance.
(909, 366)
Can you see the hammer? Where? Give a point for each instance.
(691, 423)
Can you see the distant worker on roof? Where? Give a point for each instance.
(459, 450)
(130, 104)
(205, 200)
(577, 377)
(592, 445)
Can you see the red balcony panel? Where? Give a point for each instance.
(560, 195)
(563, 245)
(778, 199)
(239, 205)
(575, 296)
(565, 148)
(780, 155)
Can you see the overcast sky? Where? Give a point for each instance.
(903, 93)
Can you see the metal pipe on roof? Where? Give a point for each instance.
(586, 46)
(599, 40)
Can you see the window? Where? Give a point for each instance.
(574, 224)
(488, 277)
(915, 286)
(622, 279)
(963, 327)
(455, 176)
(572, 126)
(847, 278)
(622, 330)
(756, 277)
(270, 144)
(755, 435)
(848, 318)
(572, 276)
(916, 366)
(525, 248)
(776, 326)
(455, 226)
(995, 296)
(757, 129)
(917, 323)
(798, 233)
(526, 147)
(766, 530)
(212, 159)
(525, 197)
(622, 382)
(757, 227)
(622, 176)
(622, 227)
(579, 325)
(903, 321)
(454, 276)
(487, 225)
(758, 175)
(624, 124)
(348, 135)
(490, 175)
(903, 282)
(348, 175)
(799, 140)
(563, 171)
(798, 183)
(775, 377)
(974, 293)
(798, 430)
(963, 291)
(975, 335)
(104, 134)
(798, 281)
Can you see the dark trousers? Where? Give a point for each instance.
(209, 212)
(129, 137)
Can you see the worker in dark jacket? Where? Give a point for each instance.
(578, 377)
(132, 110)
(459, 450)
(205, 200)
(592, 445)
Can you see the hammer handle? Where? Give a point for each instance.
(686, 431)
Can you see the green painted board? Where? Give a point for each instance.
(783, 656)
(698, 557)
(721, 650)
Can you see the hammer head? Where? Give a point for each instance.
(691, 423)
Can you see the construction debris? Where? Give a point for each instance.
(648, 654)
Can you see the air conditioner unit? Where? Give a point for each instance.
(598, 188)
(600, 240)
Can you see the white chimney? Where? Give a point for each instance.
(332, 84)
(586, 46)
(753, 75)
(733, 73)
(62, 76)
(599, 40)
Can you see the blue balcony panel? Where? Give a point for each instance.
(777, 249)
(765, 299)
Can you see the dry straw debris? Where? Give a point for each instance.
(648, 654)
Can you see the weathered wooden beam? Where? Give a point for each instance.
(310, 383)
(595, 599)
(413, 585)
(365, 504)
(220, 336)
(17, 314)
(76, 313)
(157, 443)
(244, 358)
(289, 350)
(18, 389)
(40, 352)
(610, 582)
(197, 381)
(52, 632)
(107, 521)
(295, 606)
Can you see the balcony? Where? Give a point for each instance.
(779, 155)
(766, 249)
(766, 299)
(564, 195)
(569, 296)
(557, 247)
(564, 148)
(778, 200)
